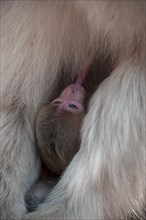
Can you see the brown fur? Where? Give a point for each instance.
(58, 136)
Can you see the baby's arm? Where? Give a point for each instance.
(38, 193)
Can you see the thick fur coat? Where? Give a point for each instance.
(106, 178)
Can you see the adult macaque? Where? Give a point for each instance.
(43, 46)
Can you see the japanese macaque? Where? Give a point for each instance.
(58, 136)
(44, 44)
(58, 126)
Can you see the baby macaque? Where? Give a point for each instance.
(58, 135)
(58, 128)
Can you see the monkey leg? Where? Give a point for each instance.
(19, 163)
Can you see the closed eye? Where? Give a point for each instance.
(73, 106)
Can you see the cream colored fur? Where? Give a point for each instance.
(106, 179)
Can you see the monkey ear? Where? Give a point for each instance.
(57, 101)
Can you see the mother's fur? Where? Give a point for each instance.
(106, 178)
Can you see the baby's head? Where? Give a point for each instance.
(71, 99)
(58, 127)
(58, 136)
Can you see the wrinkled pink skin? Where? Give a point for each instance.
(71, 99)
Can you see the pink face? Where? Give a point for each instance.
(71, 99)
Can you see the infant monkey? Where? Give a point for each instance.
(58, 128)
(58, 135)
